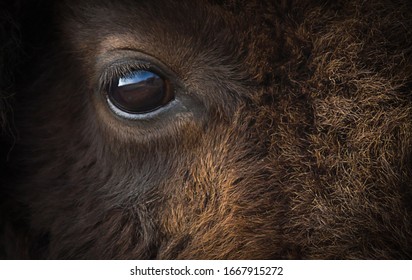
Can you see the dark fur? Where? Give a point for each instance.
(298, 145)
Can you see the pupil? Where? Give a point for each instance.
(139, 92)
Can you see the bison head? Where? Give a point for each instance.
(211, 129)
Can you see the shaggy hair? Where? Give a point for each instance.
(295, 141)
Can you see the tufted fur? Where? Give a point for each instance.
(298, 144)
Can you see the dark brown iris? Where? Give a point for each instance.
(140, 92)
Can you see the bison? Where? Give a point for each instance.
(206, 129)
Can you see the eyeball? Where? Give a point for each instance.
(140, 92)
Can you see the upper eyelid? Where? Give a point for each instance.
(129, 54)
(123, 67)
(119, 62)
(120, 69)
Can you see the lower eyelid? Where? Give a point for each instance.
(144, 116)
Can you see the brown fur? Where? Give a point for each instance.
(297, 143)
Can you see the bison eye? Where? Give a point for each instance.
(139, 92)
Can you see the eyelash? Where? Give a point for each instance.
(119, 70)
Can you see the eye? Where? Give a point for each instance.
(140, 91)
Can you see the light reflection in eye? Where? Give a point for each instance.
(136, 77)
